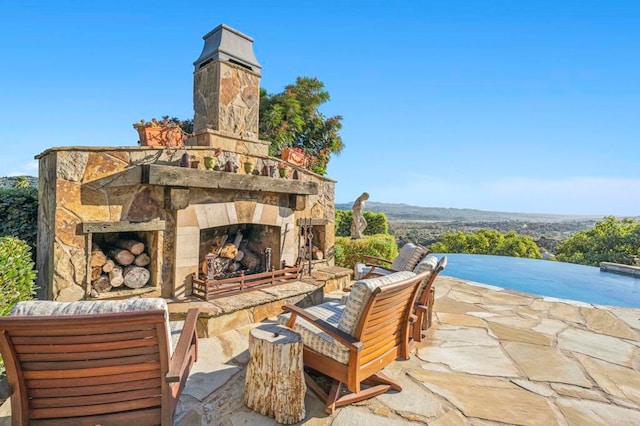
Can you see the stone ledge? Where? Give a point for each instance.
(331, 278)
(619, 268)
(224, 314)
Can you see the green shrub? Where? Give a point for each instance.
(17, 276)
(377, 223)
(20, 214)
(17, 273)
(487, 241)
(348, 252)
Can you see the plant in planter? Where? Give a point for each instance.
(168, 131)
(248, 166)
(295, 156)
(283, 169)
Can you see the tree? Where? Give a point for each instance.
(19, 207)
(292, 119)
(488, 241)
(21, 182)
(610, 240)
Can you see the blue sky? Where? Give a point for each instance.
(522, 106)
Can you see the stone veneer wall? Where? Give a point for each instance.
(226, 98)
(87, 184)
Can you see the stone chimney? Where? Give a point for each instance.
(226, 87)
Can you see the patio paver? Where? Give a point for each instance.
(493, 356)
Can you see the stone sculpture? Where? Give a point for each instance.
(358, 222)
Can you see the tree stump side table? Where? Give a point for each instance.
(275, 384)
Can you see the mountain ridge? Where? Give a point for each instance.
(403, 211)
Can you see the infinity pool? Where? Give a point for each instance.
(547, 278)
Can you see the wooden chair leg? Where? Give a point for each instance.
(315, 388)
(333, 397)
(381, 378)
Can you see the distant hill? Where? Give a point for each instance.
(403, 211)
(8, 182)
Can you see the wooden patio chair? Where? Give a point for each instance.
(409, 256)
(423, 309)
(352, 342)
(102, 362)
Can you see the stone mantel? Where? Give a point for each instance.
(154, 174)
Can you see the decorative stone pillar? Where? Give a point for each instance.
(226, 90)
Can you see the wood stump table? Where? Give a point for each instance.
(275, 384)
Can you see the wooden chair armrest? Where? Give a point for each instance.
(422, 308)
(180, 362)
(377, 259)
(376, 271)
(346, 339)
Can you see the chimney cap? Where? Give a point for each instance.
(227, 44)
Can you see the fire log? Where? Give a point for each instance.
(102, 284)
(115, 276)
(96, 271)
(134, 246)
(98, 258)
(229, 251)
(122, 257)
(142, 259)
(108, 267)
(135, 276)
(239, 256)
(250, 261)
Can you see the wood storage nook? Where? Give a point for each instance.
(275, 381)
(123, 260)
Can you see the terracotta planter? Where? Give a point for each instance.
(292, 156)
(160, 136)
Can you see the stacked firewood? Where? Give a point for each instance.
(228, 257)
(124, 264)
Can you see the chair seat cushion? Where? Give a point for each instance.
(86, 307)
(316, 339)
(94, 307)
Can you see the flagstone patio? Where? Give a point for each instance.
(493, 356)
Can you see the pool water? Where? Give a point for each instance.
(547, 278)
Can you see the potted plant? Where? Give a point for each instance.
(168, 131)
(282, 169)
(295, 156)
(248, 166)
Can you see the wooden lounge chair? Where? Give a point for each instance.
(423, 310)
(352, 342)
(89, 363)
(409, 256)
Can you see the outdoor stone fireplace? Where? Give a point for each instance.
(96, 201)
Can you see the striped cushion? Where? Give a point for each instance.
(427, 264)
(409, 256)
(91, 307)
(86, 307)
(359, 296)
(316, 339)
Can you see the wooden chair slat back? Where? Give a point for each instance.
(384, 325)
(87, 368)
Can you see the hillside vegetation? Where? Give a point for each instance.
(405, 212)
(11, 181)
